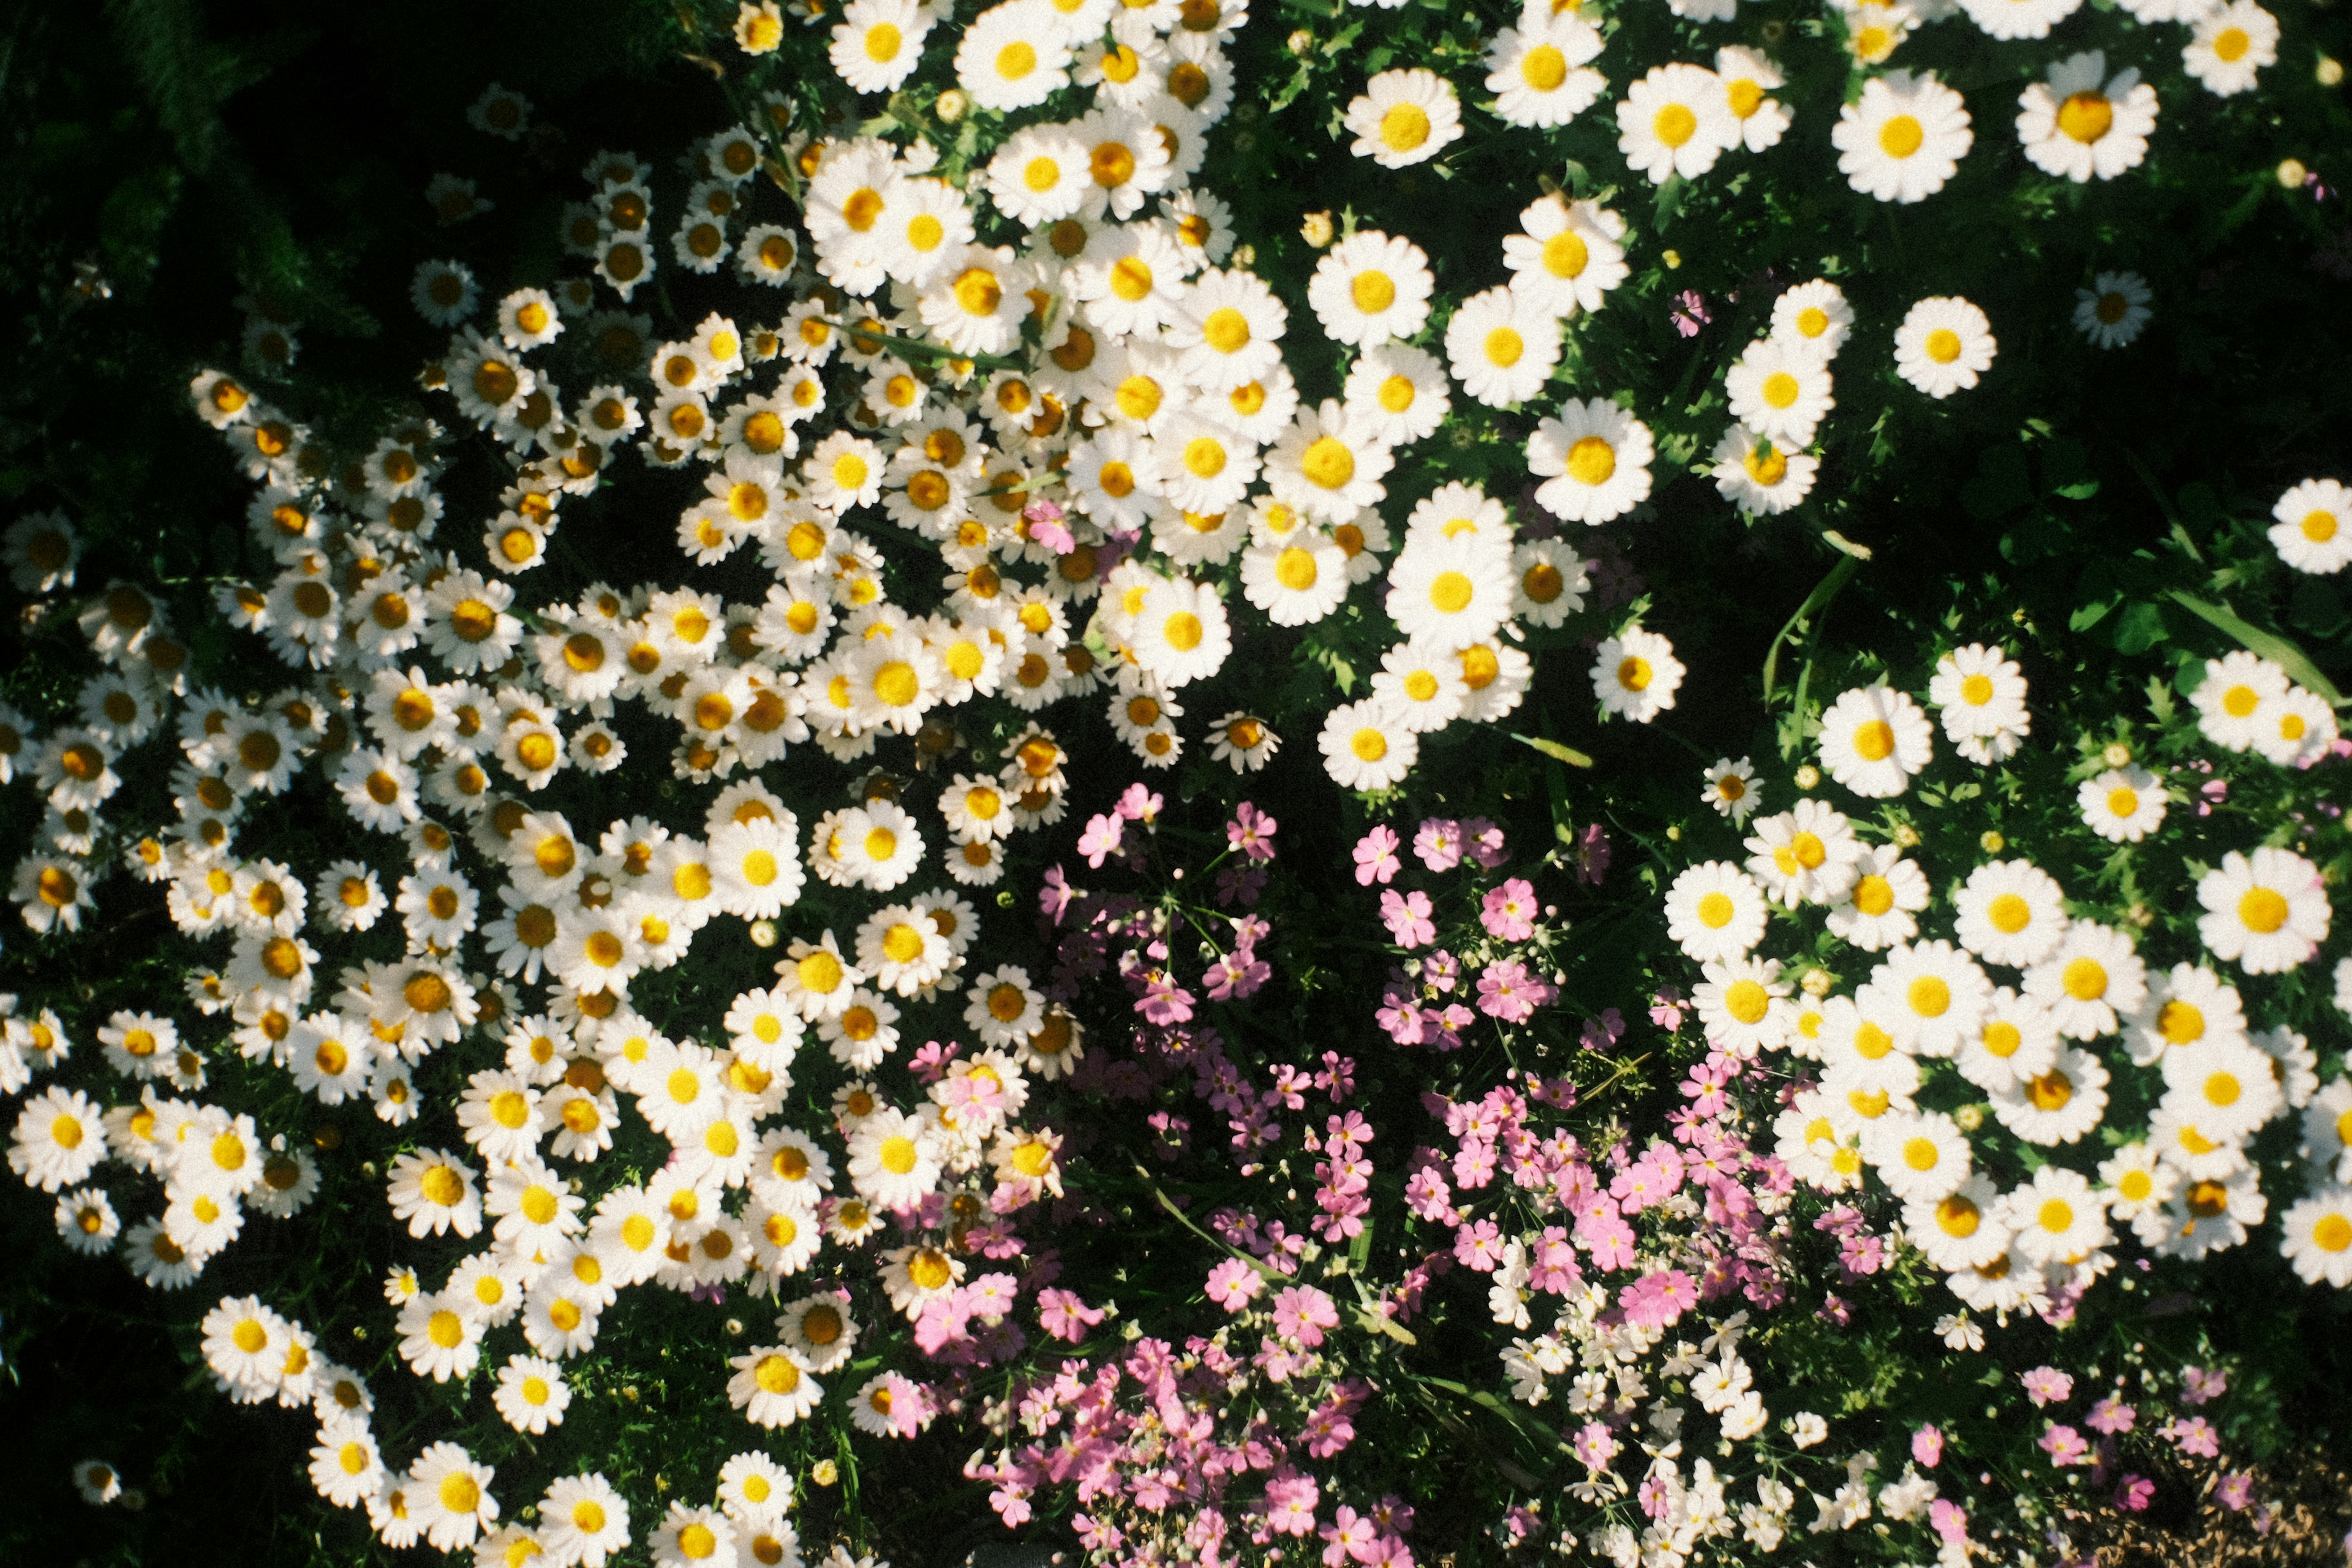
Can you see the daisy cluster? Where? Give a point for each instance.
(2028, 1025)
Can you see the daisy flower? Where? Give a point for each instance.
(1242, 741)
(2113, 309)
(1921, 1158)
(1943, 345)
(1012, 56)
(2122, 805)
(1404, 118)
(1297, 582)
(1743, 1004)
(1676, 120)
(1594, 460)
(1780, 391)
(59, 1138)
(2081, 121)
(1748, 77)
(2226, 1087)
(2229, 699)
(2314, 533)
(1423, 683)
(1371, 287)
(1636, 674)
(583, 1520)
(2058, 1215)
(1540, 71)
(1813, 315)
(1551, 580)
(1367, 746)
(2229, 43)
(1805, 855)
(1874, 739)
(1327, 466)
(2268, 912)
(1932, 994)
(1715, 912)
(1904, 138)
(1451, 591)
(1568, 255)
(1876, 912)
(1760, 477)
(2318, 1236)
(1502, 347)
(1981, 693)
(1399, 393)
(2088, 979)
(1731, 789)
(2010, 912)
(2015, 1042)
(878, 42)
(2019, 18)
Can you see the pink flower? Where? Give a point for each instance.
(1479, 1245)
(1407, 918)
(2195, 1437)
(1064, 1315)
(2112, 1416)
(1138, 804)
(1948, 1520)
(1252, 832)
(1101, 838)
(1234, 1284)
(1927, 1446)
(2198, 1386)
(1439, 843)
(1666, 1009)
(1596, 1446)
(2236, 1490)
(2066, 1446)
(1603, 1032)
(1483, 842)
(2047, 1385)
(1302, 1312)
(1375, 858)
(1507, 991)
(2134, 1493)
(1509, 911)
(1657, 1300)
(1592, 855)
(1290, 1504)
(1351, 1536)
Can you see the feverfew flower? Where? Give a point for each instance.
(2081, 122)
(2314, 533)
(1943, 346)
(1404, 117)
(1636, 674)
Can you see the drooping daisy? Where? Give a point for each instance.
(1404, 118)
(1904, 138)
(2081, 121)
(2113, 309)
(1366, 745)
(1540, 71)
(1874, 739)
(1594, 460)
(2267, 913)
(1761, 477)
(2314, 533)
(1636, 674)
(1677, 120)
(2229, 43)
(1502, 347)
(1943, 346)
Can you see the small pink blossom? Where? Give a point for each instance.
(1928, 1447)
(2066, 1446)
(2134, 1493)
(2195, 1437)
(1252, 832)
(1407, 918)
(1507, 991)
(1596, 1446)
(1234, 1284)
(1439, 843)
(1508, 912)
(1065, 1316)
(1483, 842)
(1138, 804)
(2236, 1490)
(2047, 1385)
(1101, 838)
(1376, 856)
(1302, 1312)
(2111, 1415)
(2198, 1386)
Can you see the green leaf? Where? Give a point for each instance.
(2000, 484)
(1553, 749)
(2270, 644)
